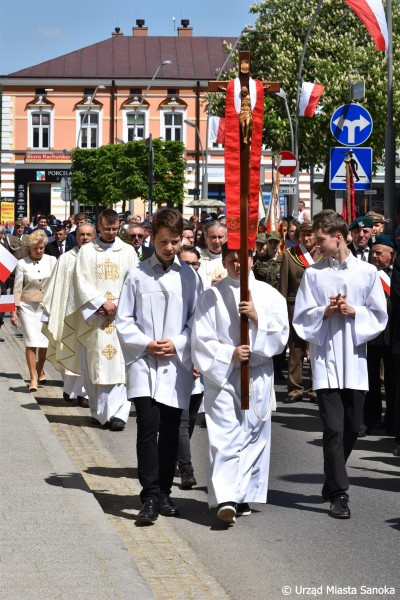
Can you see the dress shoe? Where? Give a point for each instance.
(83, 402)
(396, 451)
(292, 399)
(148, 513)
(364, 431)
(227, 512)
(340, 508)
(2, 339)
(117, 424)
(167, 507)
(188, 479)
(243, 509)
(66, 397)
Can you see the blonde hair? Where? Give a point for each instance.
(37, 236)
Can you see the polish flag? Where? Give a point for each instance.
(372, 14)
(310, 95)
(216, 131)
(7, 304)
(8, 262)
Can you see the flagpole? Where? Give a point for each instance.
(294, 199)
(390, 144)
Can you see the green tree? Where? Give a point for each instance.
(339, 49)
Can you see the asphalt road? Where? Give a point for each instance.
(290, 547)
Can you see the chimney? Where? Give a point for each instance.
(140, 29)
(117, 31)
(185, 30)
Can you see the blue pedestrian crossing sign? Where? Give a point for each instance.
(351, 124)
(362, 167)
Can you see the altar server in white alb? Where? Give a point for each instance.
(90, 342)
(239, 441)
(54, 307)
(340, 306)
(154, 319)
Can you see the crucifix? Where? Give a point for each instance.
(244, 116)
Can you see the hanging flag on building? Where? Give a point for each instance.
(8, 262)
(310, 95)
(372, 14)
(216, 131)
(7, 304)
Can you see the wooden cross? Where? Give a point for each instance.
(270, 87)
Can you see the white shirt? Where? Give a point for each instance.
(338, 344)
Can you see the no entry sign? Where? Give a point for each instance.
(288, 162)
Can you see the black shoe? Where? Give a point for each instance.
(243, 509)
(364, 431)
(292, 399)
(340, 508)
(2, 339)
(117, 424)
(66, 397)
(188, 479)
(83, 402)
(396, 451)
(148, 513)
(167, 507)
(227, 512)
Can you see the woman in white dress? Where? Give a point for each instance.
(31, 278)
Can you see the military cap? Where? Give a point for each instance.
(376, 217)
(384, 240)
(261, 238)
(306, 225)
(273, 235)
(361, 222)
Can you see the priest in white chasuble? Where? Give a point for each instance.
(239, 441)
(90, 322)
(54, 308)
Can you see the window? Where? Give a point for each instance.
(40, 130)
(136, 126)
(173, 126)
(89, 137)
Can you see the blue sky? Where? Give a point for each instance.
(32, 32)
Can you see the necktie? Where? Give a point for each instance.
(60, 249)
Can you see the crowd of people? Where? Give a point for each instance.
(148, 312)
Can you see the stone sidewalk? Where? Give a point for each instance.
(70, 509)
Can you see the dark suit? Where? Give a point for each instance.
(52, 248)
(353, 250)
(146, 252)
(395, 301)
(380, 348)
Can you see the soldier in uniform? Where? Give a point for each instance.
(267, 267)
(294, 262)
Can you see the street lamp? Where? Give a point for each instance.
(282, 94)
(244, 32)
(162, 64)
(99, 87)
(204, 180)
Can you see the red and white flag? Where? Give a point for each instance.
(310, 95)
(216, 131)
(372, 14)
(7, 304)
(8, 262)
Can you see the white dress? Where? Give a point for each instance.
(31, 280)
(239, 441)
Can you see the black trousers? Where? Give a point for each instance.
(373, 399)
(342, 415)
(188, 421)
(156, 446)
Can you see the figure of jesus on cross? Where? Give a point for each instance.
(244, 114)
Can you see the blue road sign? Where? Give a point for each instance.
(351, 124)
(362, 166)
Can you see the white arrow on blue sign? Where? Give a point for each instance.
(351, 124)
(362, 167)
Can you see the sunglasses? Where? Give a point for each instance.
(136, 235)
(192, 264)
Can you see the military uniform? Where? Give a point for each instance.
(268, 269)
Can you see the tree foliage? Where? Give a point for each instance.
(339, 49)
(119, 172)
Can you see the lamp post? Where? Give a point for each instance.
(99, 87)
(204, 175)
(204, 185)
(162, 64)
(295, 197)
(282, 94)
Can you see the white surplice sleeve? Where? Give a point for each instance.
(308, 317)
(269, 335)
(132, 339)
(210, 356)
(372, 318)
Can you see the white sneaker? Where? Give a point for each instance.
(227, 513)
